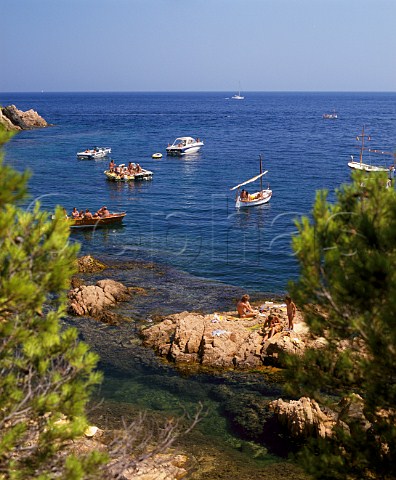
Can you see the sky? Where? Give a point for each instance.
(197, 45)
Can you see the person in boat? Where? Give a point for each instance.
(105, 212)
(112, 166)
(244, 308)
(117, 169)
(99, 212)
(75, 213)
(88, 214)
(81, 214)
(244, 195)
(139, 169)
(131, 168)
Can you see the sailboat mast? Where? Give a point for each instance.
(261, 171)
(362, 147)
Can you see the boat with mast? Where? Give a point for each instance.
(365, 166)
(244, 199)
(238, 96)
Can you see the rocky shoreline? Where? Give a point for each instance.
(14, 119)
(217, 342)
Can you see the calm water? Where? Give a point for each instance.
(185, 216)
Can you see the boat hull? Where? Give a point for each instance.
(258, 198)
(366, 168)
(112, 219)
(183, 151)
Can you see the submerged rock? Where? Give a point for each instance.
(88, 264)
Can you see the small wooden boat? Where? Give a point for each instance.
(112, 219)
(365, 166)
(244, 199)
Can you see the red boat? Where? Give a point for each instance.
(112, 219)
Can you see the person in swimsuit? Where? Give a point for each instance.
(291, 311)
(244, 308)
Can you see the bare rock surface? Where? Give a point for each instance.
(222, 340)
(94, 299)
(303, 418)
(14, 119)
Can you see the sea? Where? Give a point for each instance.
(184, 220)
(185, 216)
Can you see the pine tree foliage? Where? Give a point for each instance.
(46, 374)
(347, 291)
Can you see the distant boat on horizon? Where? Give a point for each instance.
(331, 116)
(238, 96)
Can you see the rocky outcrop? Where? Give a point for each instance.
(303, 418)
(93, 300)
(219, 340)
(13, 119)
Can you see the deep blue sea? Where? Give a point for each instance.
(185, 215)
(184, 220)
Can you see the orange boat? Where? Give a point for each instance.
(112, 219)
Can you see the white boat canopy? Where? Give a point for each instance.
(251, 180)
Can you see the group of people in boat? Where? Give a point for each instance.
(101, 213)
(131, 169)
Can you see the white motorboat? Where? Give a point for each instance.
(95, 152)
(184, 146)
(365, 166)
(330, 116)
(244, 199)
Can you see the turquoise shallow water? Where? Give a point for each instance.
(206, 253)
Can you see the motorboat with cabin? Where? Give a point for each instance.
(245, 199)
(184, 146)
(93, 153)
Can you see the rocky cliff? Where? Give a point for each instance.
(13, 119)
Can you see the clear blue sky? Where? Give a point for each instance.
(197, 45)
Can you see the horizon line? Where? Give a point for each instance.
(197, 91)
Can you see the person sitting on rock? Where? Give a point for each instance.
(271, 326)
(244, 308)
